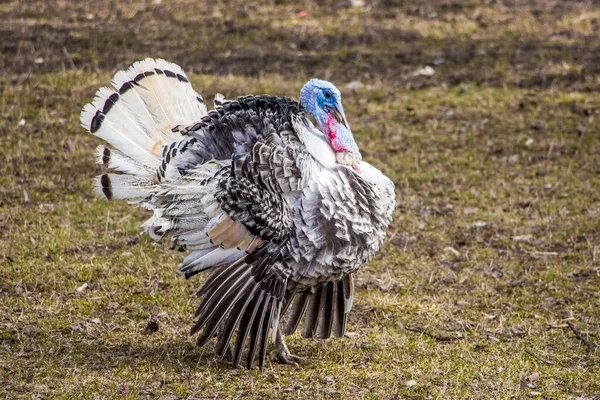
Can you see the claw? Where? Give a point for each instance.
(282, 353)
(287, 358)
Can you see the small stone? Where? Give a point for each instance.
(426, 71)
(357, 3)
(513, 159)
(470, 210)
(96, 320)
(529, 142)
(452, 250)
(479, 224)
(82, 287)
(537, 126)
(22, 122)
(38, 60)
(411, 383)
(522, 238)
(533, 377)
(355, 85)
(437, 60)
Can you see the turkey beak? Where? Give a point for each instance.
(338, 115)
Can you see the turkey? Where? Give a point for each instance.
(280, 212)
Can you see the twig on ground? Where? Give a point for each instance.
(422, 331)
(590, 345)
(531, 353)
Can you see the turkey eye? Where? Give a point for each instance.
(327, 95)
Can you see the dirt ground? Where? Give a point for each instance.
(483, 113)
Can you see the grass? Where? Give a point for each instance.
(493, 251)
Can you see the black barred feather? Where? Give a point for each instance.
(216, 279)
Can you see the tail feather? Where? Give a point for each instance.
(115, 186)
(138, 114)
(119, 162)
(166, 81)
(112, 124)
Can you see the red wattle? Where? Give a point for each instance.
(330, 125)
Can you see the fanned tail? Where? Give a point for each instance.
(136, 117)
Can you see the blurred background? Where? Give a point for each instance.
(529, 44)
(483, 113)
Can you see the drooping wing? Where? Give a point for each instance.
(245, 296)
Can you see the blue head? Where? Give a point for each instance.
(323, 101)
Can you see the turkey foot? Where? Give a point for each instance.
(282, 353)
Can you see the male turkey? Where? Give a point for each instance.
(281, 212)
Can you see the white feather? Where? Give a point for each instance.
(119, 162)
(203, 259)
(139, 122)
(124, 186)
(117, 130)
